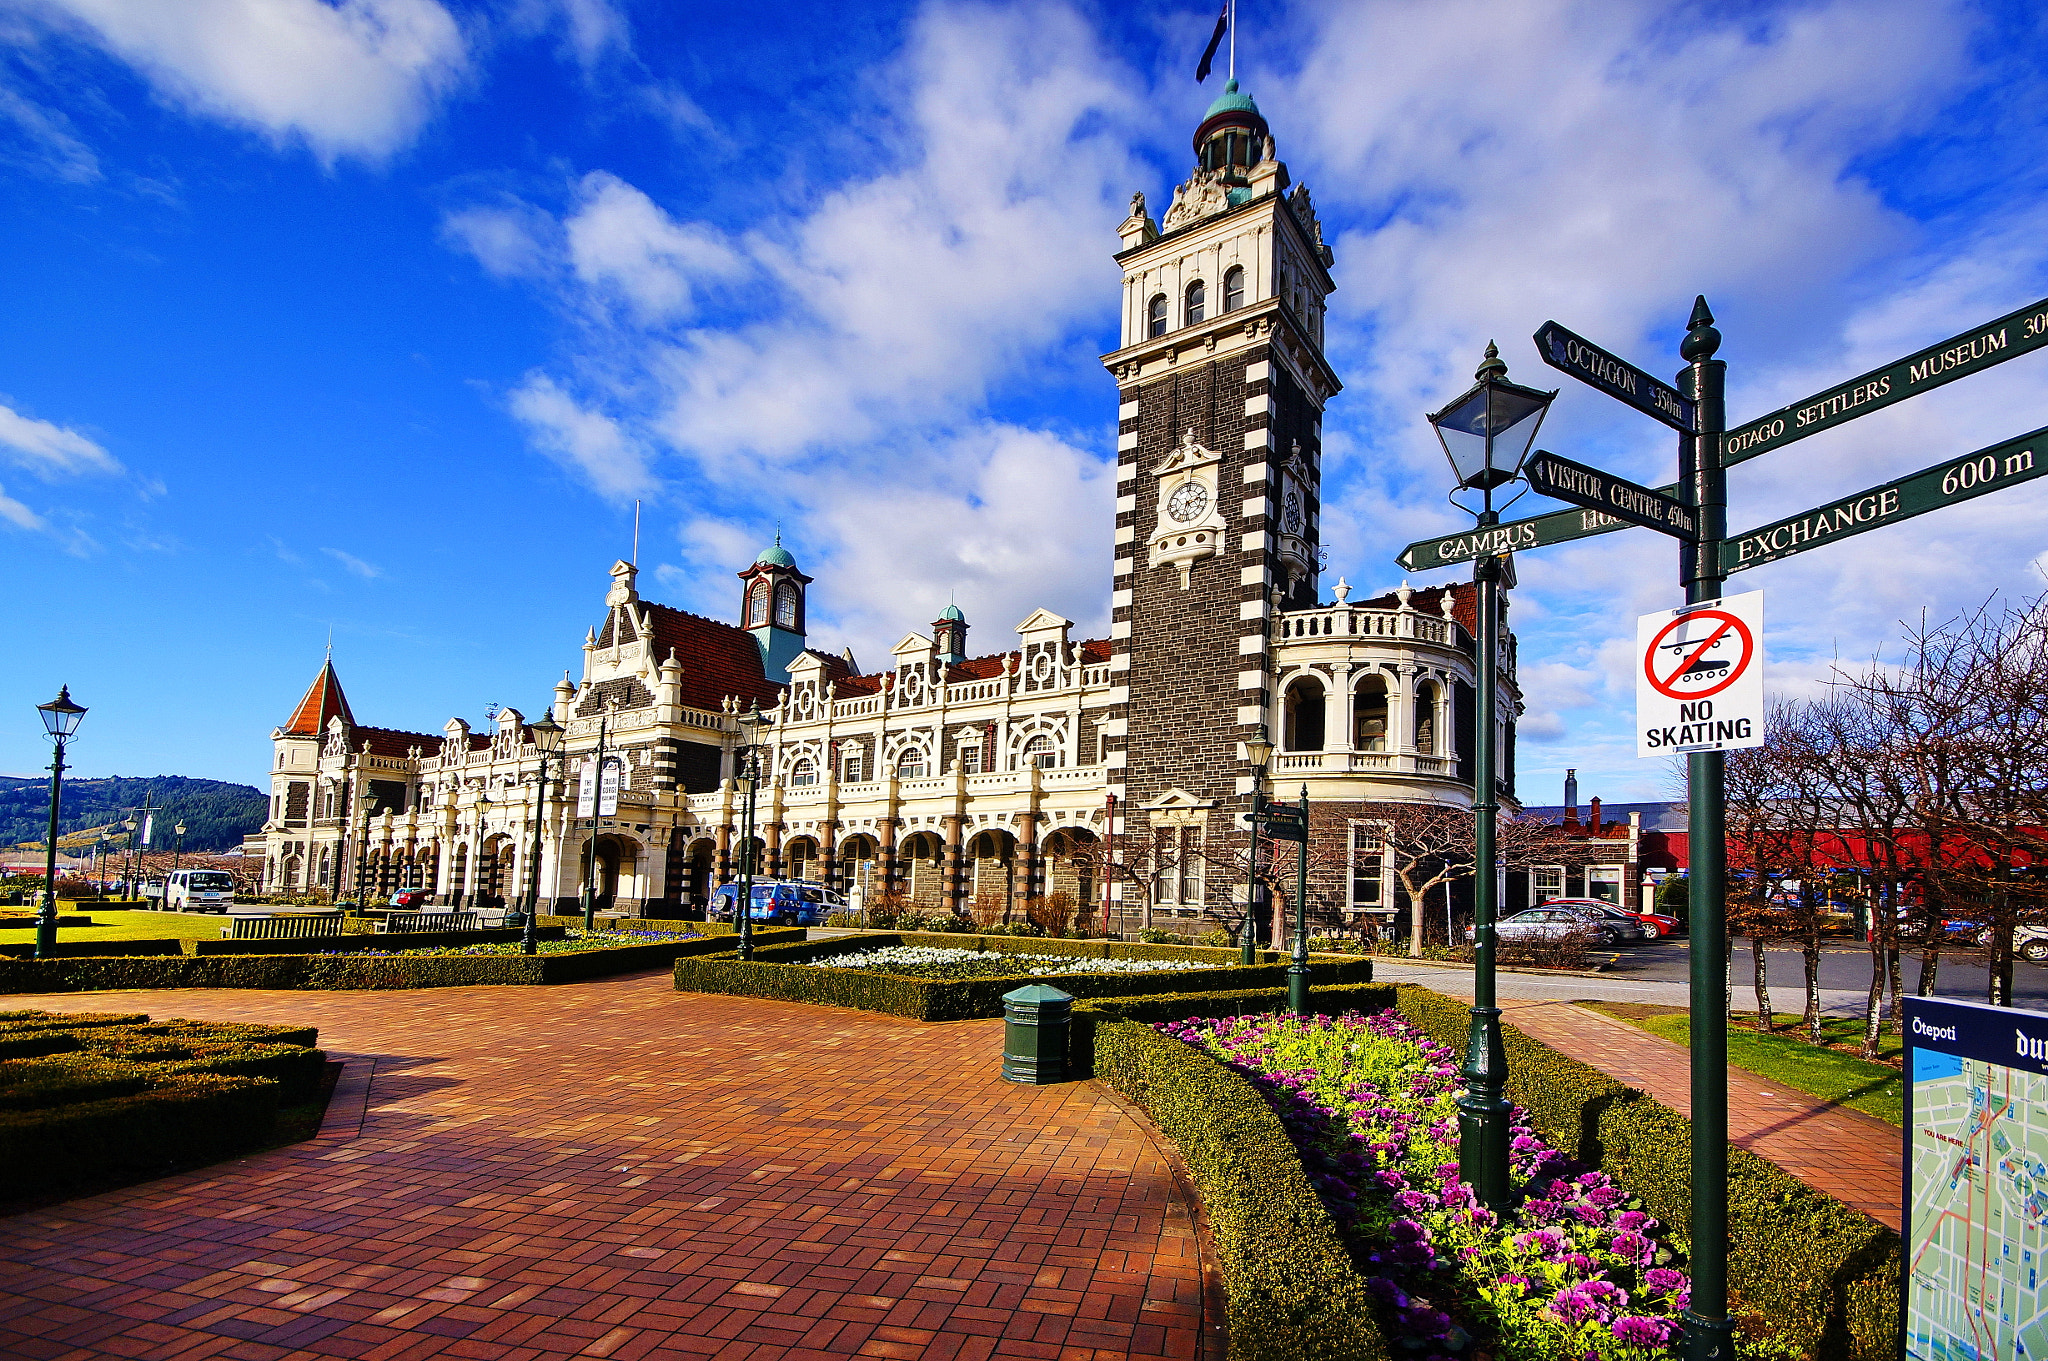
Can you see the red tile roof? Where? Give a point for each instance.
(717, 659)
(391, 742)
(322, 702)
(1429, 600)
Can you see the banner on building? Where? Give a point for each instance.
(608, 792)
(586, 789)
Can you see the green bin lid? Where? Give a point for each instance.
(1037, 995)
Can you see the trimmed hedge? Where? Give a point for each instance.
(352, 971)
(80, 949)
(136, 1098)
(780, 972)
(1291, 1292)
(1824, 1273)
(361, 940)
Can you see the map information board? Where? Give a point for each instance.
(1976, 1192)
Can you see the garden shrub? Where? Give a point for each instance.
(1290, 1290)
(780, 973)
(77, 949)
(134, 1098)
(366, 940)
(1825, 1274)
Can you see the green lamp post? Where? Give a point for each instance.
(1259, 751)
(60, 720)
(1486, 433)
(547, 740)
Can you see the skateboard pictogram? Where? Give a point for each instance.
(1710, 651)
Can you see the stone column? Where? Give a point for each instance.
(1337, 710)
(1027, 855)
(722, 870)
(828, 856)
(956, 878)
(771, 853)
(887, 858)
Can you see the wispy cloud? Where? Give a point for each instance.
(367, 571)
(48, 449)
(17, 514)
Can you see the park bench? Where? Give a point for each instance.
(282, 928)
(397, 922)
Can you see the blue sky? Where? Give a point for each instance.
(378, 316)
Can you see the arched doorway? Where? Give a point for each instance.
(703, 863)
(991, 876)
(1305, 714)
(800, 859)
(857, 857)
(1369, 714)
(1070, 867)
(923, 866)
(617, 877)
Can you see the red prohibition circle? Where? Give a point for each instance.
(1735, 672)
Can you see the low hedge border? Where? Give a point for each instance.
(131, 1098)
(780, 973)
(361, 940)
(1290, 1290)
(1824, 1273)
(81, 949)
(301, 971)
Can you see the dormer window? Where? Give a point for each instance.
(1233, 288)
(1197, 300)
(1155, 315)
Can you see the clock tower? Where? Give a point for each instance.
(1221, 385)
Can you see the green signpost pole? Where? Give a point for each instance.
(1297, 972)
(1709, 1336)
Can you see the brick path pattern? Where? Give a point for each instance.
(617, 1170)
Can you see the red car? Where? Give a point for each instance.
(1656, 923)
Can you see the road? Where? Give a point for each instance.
(1657, 972)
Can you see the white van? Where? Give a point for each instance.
(199, 891)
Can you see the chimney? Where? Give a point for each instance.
(1593, 816)
(1571, 792)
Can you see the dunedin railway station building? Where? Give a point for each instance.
(948, 776)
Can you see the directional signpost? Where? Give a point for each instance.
(1699, 668)
(1609, 495)
(1291, 824)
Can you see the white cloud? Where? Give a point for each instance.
(367, 571)
(47, 449)
(18, 515)
(352, 78)
(631, 254)
(590, 30)
(584, 441)
(50, 147)
(510, 240)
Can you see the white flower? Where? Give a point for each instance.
(1018, 962)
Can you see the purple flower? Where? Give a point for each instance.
(1634, 1221)
(1589, 1214)
(1414, 1201)
(1642, 1331)
(1662, 1280)
(1588, 1301)
(1633, 1247)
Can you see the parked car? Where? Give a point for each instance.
(1556, 923)
(199, 891)
(2028, 942)
(779, 901)
(1600, 907)
(411, 899)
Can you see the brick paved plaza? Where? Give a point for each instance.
(617, 1170)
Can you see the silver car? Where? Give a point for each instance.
(1555, 923)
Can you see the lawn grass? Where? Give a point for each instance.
(128, 925)
(1830, 1074)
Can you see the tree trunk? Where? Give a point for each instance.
(1897, 974)
(1873, 1006)
(1930, 970)
(1763, 983)
(1416, 914)
(1811, 958)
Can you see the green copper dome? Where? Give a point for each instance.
(1232, 100)
(952, 612)
(775, 555)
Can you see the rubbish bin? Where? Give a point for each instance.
(1035, 1021)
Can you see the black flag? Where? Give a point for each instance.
(1215, 41)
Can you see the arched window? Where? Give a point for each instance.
(1233, 288)
(803, 771)
(1155, 315)
(757, 604)
(910, 764)
(1425, 719)
(1197, 303)
(785, 606)
(1369, 715)
(1042, 751)
(1305, 716)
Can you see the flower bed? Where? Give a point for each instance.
(1574, 1270)
(924, 961)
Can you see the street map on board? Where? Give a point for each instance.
(1979, 1180)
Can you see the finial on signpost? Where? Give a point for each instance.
(1701, 339)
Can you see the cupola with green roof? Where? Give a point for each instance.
(772, 608)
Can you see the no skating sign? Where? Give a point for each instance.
(1700, 677)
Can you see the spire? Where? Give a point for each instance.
(322, 702)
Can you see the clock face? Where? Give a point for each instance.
(1290, 518)
(1188, 502)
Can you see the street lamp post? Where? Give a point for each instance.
(177, 850)
(1486, 433)
(128, 856)
(60, 720)
(547, 740)
(747, 766)
(1259, 751)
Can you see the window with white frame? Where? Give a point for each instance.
(1369, 868)
(910, 763)
(1545, 882)
(1041, 751)
(970, 754)
(1604, 882)
(1179, 868)
(803, 771)
(850, 766)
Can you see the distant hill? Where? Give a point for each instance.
(216, 814)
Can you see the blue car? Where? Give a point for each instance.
(780, 903)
